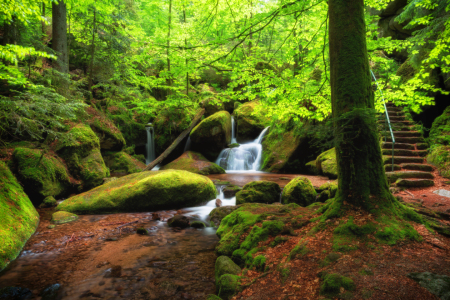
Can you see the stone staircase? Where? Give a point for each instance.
(410, 169)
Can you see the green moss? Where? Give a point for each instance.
(345, 235)
(212, 134)
(227, 286)
(393, 230)
(329, 259)
(332, 284)
(194, 162)
(93, 169)
(259, 262)
(224, 265)
(440, 130)
(440, 157)
(80, 140)
(284, 272)
(121, 162)
(259, 192)
(49, 201)
(311, 168)
(19, 219)
(109, 135)
(300, 191)
(213, 297)
(298, 251)
(326, 163)
(251, 120)
(61, 217)
(278, 240)
(278, 150)
(198, 224)
(41, 173)
(144, 191)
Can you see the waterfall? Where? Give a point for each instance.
(150, 146)
(233, 130)
(246, 157)
(187, 147)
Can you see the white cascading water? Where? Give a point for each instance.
(202, 212)
(150, 146)
(246, 157)
(233, 131)
(187, 147)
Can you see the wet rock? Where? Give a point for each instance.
(194, 162)
(299, 190)
(198, 224)
(251, 120)
(227, 286)
(156, 216)
(224, 265)
(438, 285)
(51, 292)
(144, 191)
(114, 272)
(178, 221)
(217, 214)
(142, 231)
(15, 293)
(231, 190)
(218, 203)
(61, 217)
(259, 192)
(48, 202)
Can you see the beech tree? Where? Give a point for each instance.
(59, 40)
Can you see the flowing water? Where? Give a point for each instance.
(150, 146)
(233, 130)
(246, 157)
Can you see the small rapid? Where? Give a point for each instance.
(246, 157)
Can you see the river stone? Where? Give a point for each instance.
(19, 218)
(299, 190)
(48, 202)
(231, 190)
(194, 162)
(178, 221)
(61, 217)
(217, 214)
(144, 191)
(224, 265)
(251, 120)
(438, 285)
(15, 293)
(212, 134)
(259, 192)
(198, 224)
(444, 193)
(50, 292)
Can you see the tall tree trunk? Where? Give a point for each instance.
(59, 39)
(43, 22)
(185, 53)
(91, 63)
(10, 32)
(169, 80)
(362, 181)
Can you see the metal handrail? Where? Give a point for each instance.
(387, 120)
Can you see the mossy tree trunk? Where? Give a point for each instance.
(362, 181)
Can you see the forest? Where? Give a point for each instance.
(224, 149)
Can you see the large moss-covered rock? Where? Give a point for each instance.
(440, 130)
(111, 139)
(227, 286)
(144, 191)
(80, 148)
(212, 134)
(41, 174)
(299, 190)
(212, 105)
(224, 265)
(277, 151)
(436, 284)
(327, 191)
(326, 163)
(439, 156)
(194, 162)
(259, 192)
(19, 218)
(123, 163)
(218, 213)
(251, 120)
(311, 168)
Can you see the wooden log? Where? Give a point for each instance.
(176, 142)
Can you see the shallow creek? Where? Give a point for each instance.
(102, 256)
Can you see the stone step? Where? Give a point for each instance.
(392, 105)
(407, 140)
(400, 152)
(387, 159)
(422, 146)
(388, 168)
(392, 113)
(395, 127)
(393, 122)
(398, 134)
(422, 153)
(394, 176)
(414, 182)
(418, 167)
(386, 145)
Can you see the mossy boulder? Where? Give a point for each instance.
(299, 190)
(123, 163)
(278, 151)
(61, 217)
(143, 191)
(327, 191)
(212, 134)
(311, 168)
(251, 120)
(41, 173)
(212, 105)
(436, 284)
(48, 202)
(224, 265)
(218, 213)
(80, 148)
(259, 192)
(227, 286)
(178, 221)
(110, 137)
(439, 156)
(19, 218)
(194, 162)
(326, 163)
(440, 130)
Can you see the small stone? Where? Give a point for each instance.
(156, 216)
(218, 203)
(198, 224)
(178, 221)
(142, 231)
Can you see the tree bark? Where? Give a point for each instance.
(59, 39)
(362, 181)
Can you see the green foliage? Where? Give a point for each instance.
(332, 284)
